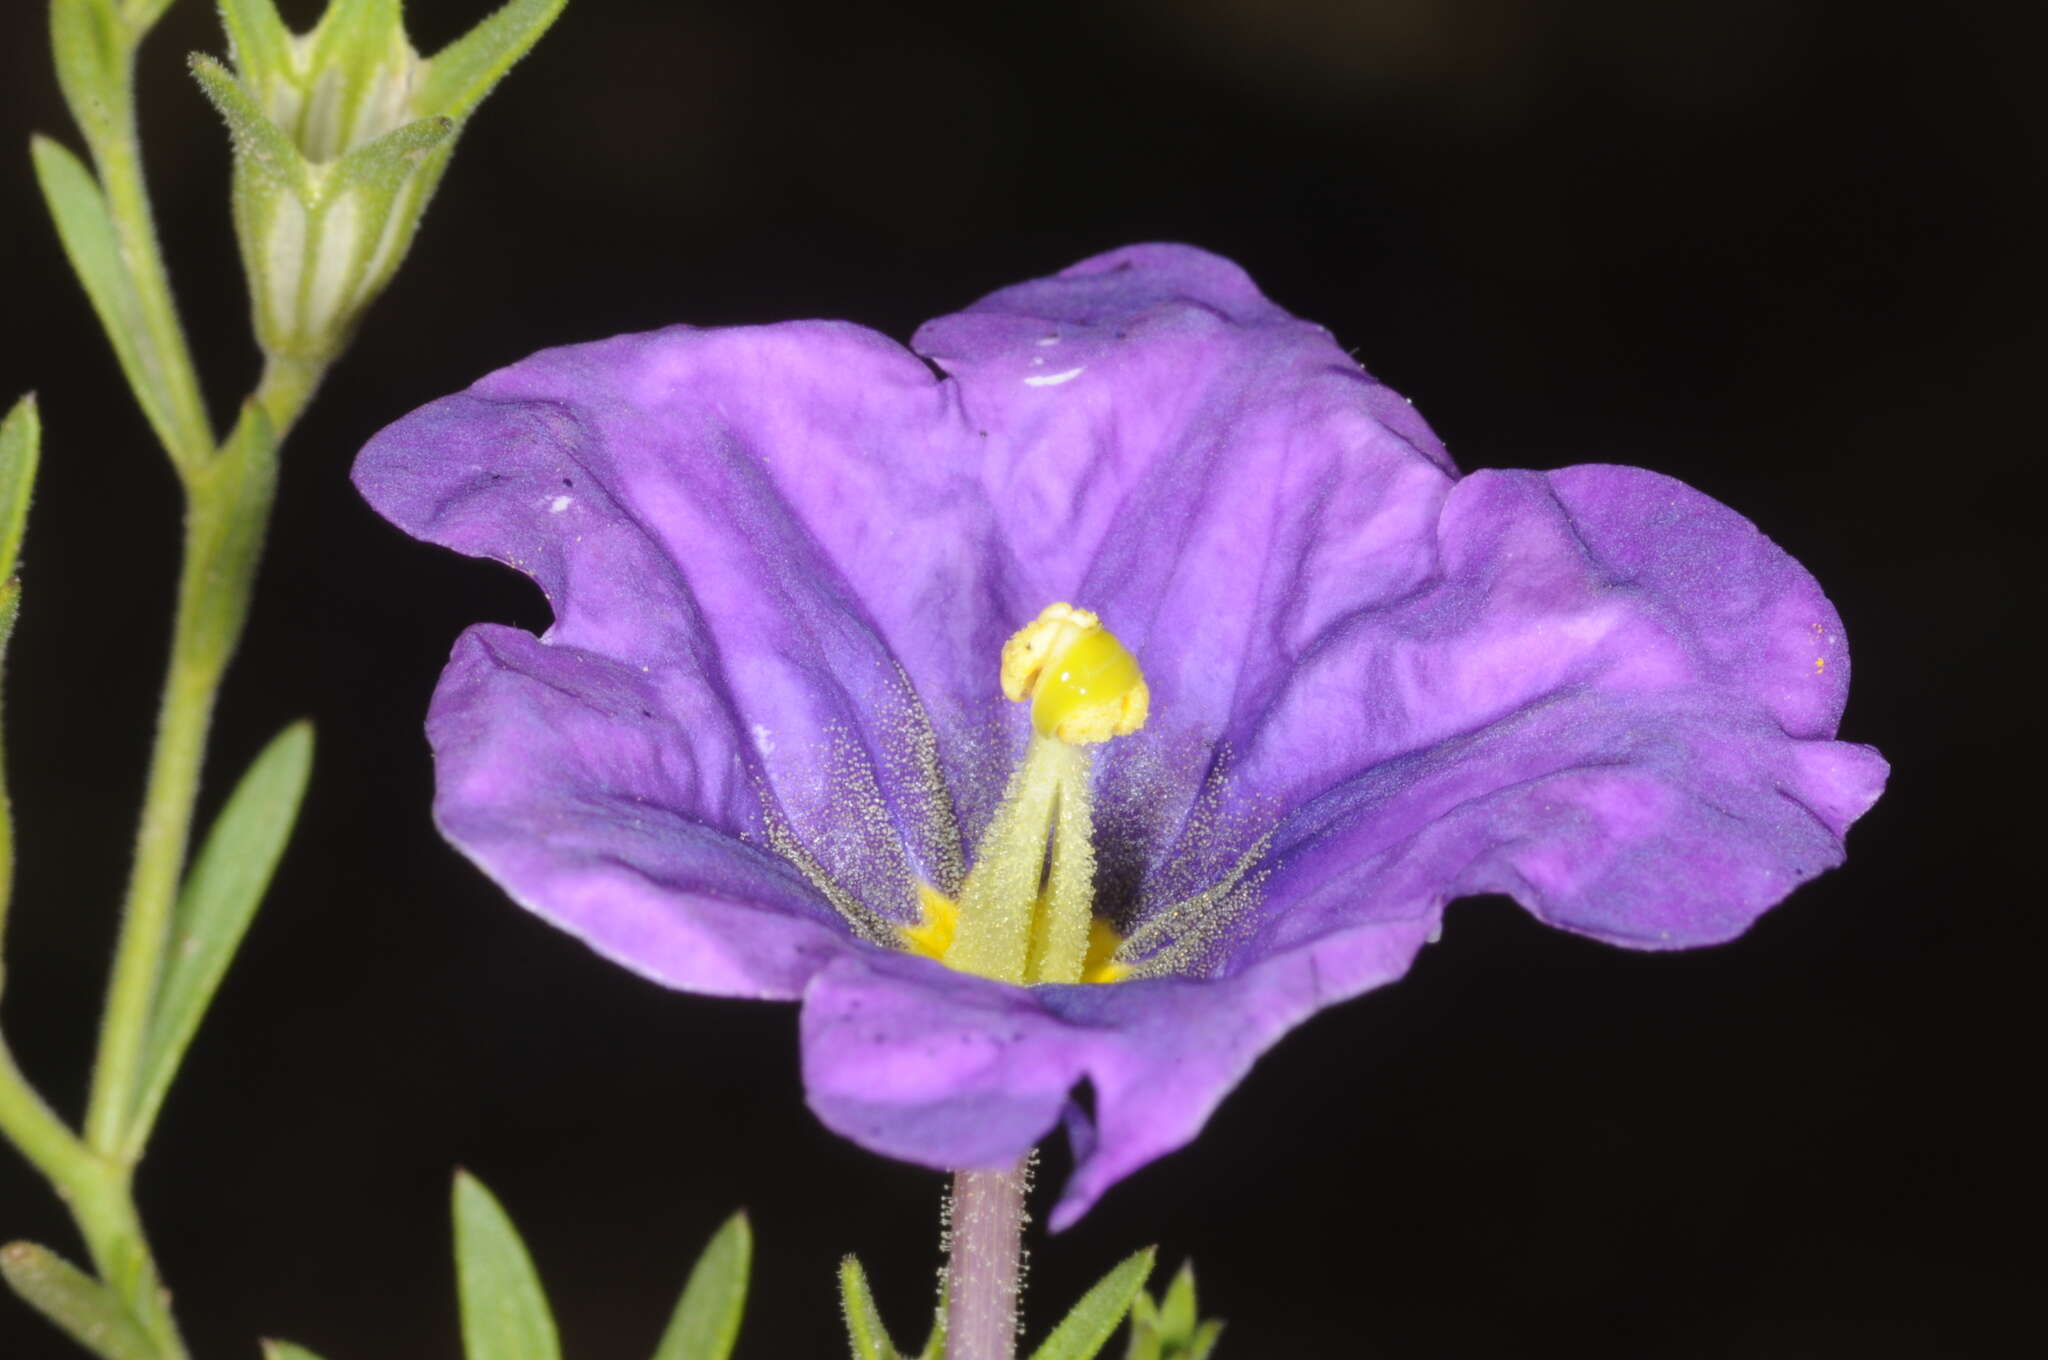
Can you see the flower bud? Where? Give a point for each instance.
(341, 135)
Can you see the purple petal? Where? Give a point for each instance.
(1613, 705)
(560, 774)
(1216, 478)
(764, 530)
(911, 1060)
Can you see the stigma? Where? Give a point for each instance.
(1026, 911)
(1084, 685)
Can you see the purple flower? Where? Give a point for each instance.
(763, 749)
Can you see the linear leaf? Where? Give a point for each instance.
(285, 1350)
(1177, 1313)
(82, 1308)
(241, 483)
(87, 232)
(935, 1342)
(91, 46)
(706, 1323)
(462, 73)
(1083, 1331)
(504, 1313)
(218, 901)
(21, 442)
(1144, 1342)
(864, 1330)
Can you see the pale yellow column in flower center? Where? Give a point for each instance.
(1026, 911)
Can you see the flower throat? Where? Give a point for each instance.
(1026, 911)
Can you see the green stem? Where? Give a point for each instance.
(190, 687)
(97, 1193)
(104, 1210)
(287, 385)
(51, 1147)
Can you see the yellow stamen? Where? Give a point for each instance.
(1026, 911)
(938, 918)
(1102, 964)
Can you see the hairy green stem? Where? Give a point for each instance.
(97, 1193)
(190, 685)
(50, 1146)
(287, 385)
(105, 1213)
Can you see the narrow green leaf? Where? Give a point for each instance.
(285, 1350)
(1080, 1336)
(1171, 1329)
(707, 1319)
(935, 1343)
(82, 1308)
(21, 443)
(241, 484)
(1177, 1314)
(261, 146)
(87, 232)
(224, 535)
(90, 45)
(1144, 1342)
(504, 1313)
(219, 899)
(864, 1330)
(10, 611)
(462, 73)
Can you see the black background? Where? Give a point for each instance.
(1784, 249)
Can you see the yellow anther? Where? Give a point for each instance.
(938, 919)
(1102, 964)
(1083, 684)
